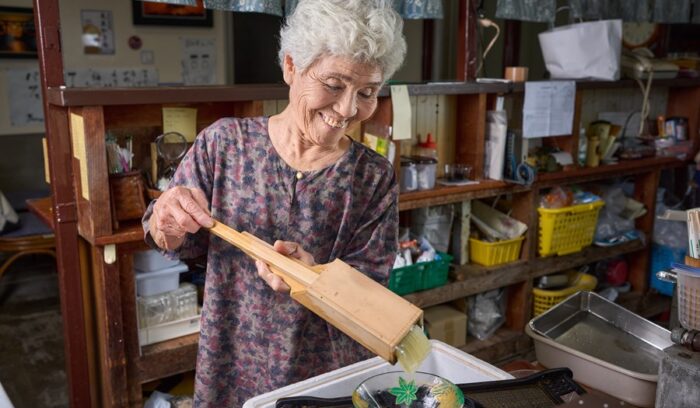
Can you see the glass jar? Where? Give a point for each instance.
(409, 175)
(427, 169)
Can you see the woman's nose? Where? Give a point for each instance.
(347, 105)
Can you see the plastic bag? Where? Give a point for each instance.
(435, 224)
(486, 313)
(673, 234)
(583, 50)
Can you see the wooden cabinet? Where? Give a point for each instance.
(123, 366)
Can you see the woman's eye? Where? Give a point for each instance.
(333, 88)
(367, 93)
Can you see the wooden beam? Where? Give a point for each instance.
(511, 44)
(48, 35)
(467, 44)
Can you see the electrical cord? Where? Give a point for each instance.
(486, 23)
(645, 101)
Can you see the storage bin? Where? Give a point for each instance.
(568, 229)
(494, 253)
(152, 260)
(155, 282)
(444, 360)
(688, 295)
(420, 276)
(544, 299)
(167, 306)
(169, 330)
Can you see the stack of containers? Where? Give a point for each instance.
(166, 308)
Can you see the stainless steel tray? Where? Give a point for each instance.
(604, 344)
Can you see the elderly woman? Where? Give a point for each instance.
(295, 180)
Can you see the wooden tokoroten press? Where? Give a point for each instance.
(352, 302)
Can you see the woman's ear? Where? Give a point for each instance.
(288, 69)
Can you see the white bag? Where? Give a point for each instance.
(583, 50)
(496, 131)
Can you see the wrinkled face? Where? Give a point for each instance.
(331, 95)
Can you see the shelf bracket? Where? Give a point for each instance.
(110, 254)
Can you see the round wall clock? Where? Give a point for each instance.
(635, 35)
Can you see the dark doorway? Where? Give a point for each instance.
(255, 46)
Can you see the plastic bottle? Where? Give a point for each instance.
(427, 148)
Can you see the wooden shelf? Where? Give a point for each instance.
(621, 169)
(168, 358)
(623, 83)
(42, 208)
(164, 95)
(453, 194)
(501, 345)
(646, 305)
(63, 96)
(545, 266)
(127, 234)
(478, 279)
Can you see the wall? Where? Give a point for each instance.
(21, 163)
(164, 41)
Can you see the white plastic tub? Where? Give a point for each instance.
(445, 361)
(164, 280)
(169, 330)
(152, 260)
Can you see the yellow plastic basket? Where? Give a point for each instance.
(568, 229)
(544, 299)
(494, 253)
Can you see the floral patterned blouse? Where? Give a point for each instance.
(253, 339)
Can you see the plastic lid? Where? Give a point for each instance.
(429, 143)
(424, 160)
(407, 161)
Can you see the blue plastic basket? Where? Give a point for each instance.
(661, 258)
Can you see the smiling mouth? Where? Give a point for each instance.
(338, 124)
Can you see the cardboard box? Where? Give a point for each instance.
(446, 323)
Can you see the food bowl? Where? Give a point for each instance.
(401, 389)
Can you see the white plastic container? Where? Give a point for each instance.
(152, 260)
(427, 171)
(164, 280)
(444, 360)
(169, 330)
(688, 297)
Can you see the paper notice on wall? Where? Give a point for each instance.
(98, 31)
(549, 108)
(198, 61)
(181, 120)
(401, 111)
(110, 77)
(24, 97)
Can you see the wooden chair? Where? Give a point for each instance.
(33, 237)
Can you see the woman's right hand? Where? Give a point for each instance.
(176, 212)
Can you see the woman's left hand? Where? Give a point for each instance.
(291, 249)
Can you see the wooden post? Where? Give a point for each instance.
(511, 44)
(46, 21)
(467, 49)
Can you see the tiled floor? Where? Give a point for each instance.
(31, 335)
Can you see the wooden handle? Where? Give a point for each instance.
(281, 265)
(694, 262)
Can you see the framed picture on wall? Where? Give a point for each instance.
(17, 34)
(152, 13)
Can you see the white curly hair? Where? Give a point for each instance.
(368, 31)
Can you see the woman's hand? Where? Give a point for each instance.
(178, 211)
(291, 249)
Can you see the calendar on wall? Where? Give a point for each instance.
(24, 97)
